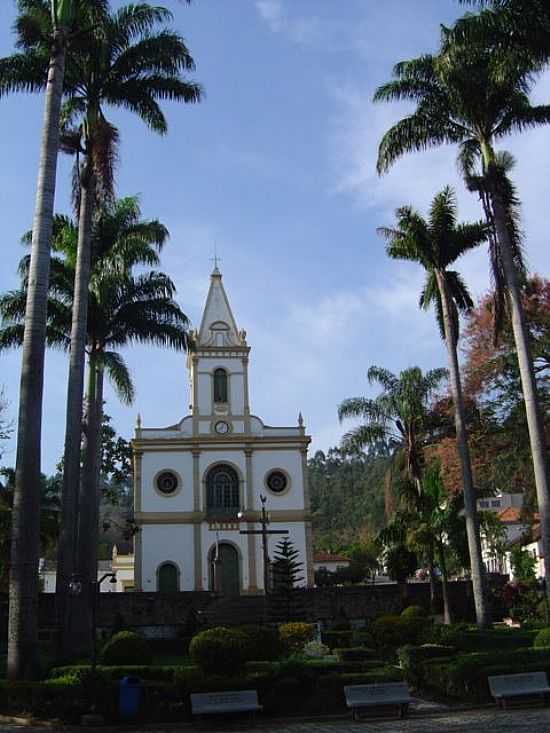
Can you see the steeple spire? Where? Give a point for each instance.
(218, 326)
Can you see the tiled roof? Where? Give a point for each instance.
(510, 514)
(328, 557)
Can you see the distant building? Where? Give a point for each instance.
(47, 575)
(123, 567)
(508, 508)
(329, 562)
(532, 543)
(500, 502)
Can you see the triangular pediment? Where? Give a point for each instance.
(218, 326)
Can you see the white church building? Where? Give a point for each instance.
(198, 483)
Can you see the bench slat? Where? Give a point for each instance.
(241, 701)
(391, 693)
(518, 685)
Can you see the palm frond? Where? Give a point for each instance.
(119, 376)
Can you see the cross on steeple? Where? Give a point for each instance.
(215, 259)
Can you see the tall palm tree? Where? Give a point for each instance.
(122, 309)
(436, 244)
(132, 62)
(45, 30)
(462, 98)
(520, 27)
(399, 418)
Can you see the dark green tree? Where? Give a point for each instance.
(436, 244)
(286, 574)
(462, 97)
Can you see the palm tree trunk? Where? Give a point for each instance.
(89, 503)
(23, 587)
(528, 381)
(67, 547)
(447, 611)
(477, 569)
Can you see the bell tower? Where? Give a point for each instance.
(218, 365)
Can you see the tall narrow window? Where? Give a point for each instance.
(222, 491)
(220, 385)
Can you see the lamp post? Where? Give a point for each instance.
(264, 532)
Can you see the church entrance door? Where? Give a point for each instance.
(225, 570)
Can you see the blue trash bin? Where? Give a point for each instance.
(129, 697)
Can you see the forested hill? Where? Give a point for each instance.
(347, 497)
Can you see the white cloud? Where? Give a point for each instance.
(355, 131)
(303, 30)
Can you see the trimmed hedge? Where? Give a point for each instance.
(466, 675)
(354, 654)
(149, 672)
(264, 642)
(542, 639)
(338, 639)
(220, 650)
(411, 658)
(392, 631)
(413, 612)
(126, 647)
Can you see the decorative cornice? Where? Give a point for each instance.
(232, 442)
(281, 515)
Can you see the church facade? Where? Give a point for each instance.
(198, 484)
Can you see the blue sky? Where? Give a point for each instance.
(275, 168)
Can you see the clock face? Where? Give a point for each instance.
(221, 427)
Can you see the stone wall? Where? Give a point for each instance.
(164, 615)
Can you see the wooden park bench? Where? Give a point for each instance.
(220, 703)
(527, 684)
(360, 697)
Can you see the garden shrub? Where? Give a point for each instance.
(126, 647)
(542, 639)
(220, 650)
(340, 639)
(149, 672)
(411, 658)
(354, 654)
(295, 635)
(466, 675)
(315, 650)
(413, 612)
(390, 632)
(264, 642)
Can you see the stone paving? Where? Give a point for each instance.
(522, 720)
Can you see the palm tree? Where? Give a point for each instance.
(122, 309)
(466, 101)
(520, 27)
(438, 524)
(49, 517)
(45, 30)
(436, 244)
(399, 418)
(133, 62)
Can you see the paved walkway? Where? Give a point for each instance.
(486, 721)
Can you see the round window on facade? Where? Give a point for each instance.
(277, 482)
(167, 482)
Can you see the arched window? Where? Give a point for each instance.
(167, 578)
(220, 385)
(222, 491)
